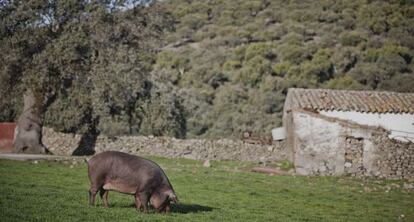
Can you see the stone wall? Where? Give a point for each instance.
(329, 146)
(323, 146)
(354, 150)
(200, 149)
(60, 143)
(395, 159)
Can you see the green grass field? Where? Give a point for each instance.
(50, 191)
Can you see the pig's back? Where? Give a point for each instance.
(124, 172)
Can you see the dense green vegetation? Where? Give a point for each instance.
(224, 67)
(238, 58)
(50, 191)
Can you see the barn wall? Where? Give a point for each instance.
(290, 129)
(330, 146)
(315, 145)
(401, 126)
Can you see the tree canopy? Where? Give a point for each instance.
(88, 63)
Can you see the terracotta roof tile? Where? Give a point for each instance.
(360, 101)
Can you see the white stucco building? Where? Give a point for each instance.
(334, 132)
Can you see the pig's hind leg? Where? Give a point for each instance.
(92, 195)
(92, 192)
(104, 195)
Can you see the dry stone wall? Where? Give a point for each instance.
(60, 143)
(395, 159)
(200, 149)
(354, 148)
(390, 158)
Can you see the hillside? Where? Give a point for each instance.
(189, 69)
(232, 61)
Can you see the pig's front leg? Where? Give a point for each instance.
(138, 204)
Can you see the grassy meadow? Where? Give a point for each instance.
(227, 191)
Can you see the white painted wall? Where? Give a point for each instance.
(401, 126)
(319, 145)
(316, 145)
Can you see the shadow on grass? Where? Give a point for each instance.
(190, 208)
(180, 208)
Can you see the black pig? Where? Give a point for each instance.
(133, 175)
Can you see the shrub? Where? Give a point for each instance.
(226, 18)
(395, 36)
(348, 20)
(194, 21)
(293, 53)
(281, 68)
(258, 64)
(328, 40)
(392, 63)
(239, 53)
(328, 17)
(206, 32)
(271, 84)
(344, 82)
(351, 38)
(164, 116)
(372, 55)
(271, 33)
(231, 65)
(293, 39)
(344, 59)
(172, 60)
(316, 70)
(185, 8)
(380, 17)
(368, 74)
(260, 49)
(399, 83)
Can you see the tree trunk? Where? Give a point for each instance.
(28, 137)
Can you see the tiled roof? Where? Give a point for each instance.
(344, 100)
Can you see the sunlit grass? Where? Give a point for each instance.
(227, 191)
